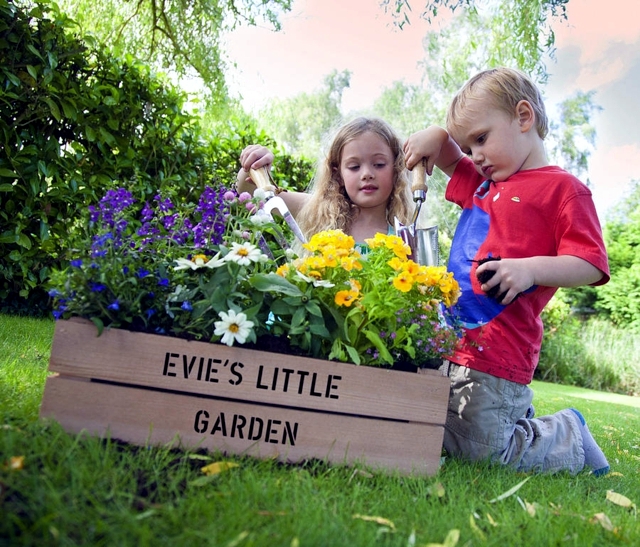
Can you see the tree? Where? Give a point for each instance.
(182, 36)
(521, 29)
(575, 135)
(301, 123)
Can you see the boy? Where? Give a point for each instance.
(537, 226)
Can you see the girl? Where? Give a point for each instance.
(359, 188)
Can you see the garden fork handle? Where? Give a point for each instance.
(262, 179)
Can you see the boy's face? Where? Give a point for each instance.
(367, 170)
(493, 139)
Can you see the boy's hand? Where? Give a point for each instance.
(504, 279)
(434, 144)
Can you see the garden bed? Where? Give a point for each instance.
(150, 389)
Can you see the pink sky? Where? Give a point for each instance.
(595, 51)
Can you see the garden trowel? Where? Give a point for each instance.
(262, 179)
(422, 241)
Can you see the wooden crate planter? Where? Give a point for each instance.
(150, 389)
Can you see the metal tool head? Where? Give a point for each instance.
(262, 180)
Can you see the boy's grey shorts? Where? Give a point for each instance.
(486, 421)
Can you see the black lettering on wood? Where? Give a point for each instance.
(259, 424)
(234, 366)
(169, 363)
(239, 421)
(220, 425)
(202, 421)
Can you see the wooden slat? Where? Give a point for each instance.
(248, 375)
(143, 416)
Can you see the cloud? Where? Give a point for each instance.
(611, 170)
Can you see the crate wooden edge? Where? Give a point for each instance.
(127, 412)
(128, 358)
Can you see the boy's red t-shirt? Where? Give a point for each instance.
(537, 212)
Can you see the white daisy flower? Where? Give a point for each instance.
(233, 326)
(198, 261)
(259, 193)
(244, 253)
(316, 282)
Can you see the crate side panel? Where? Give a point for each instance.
(248, 375)
(141, 416)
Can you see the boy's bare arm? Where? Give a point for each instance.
(516, 275)
(435, 144)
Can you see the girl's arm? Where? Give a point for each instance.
(435, 144)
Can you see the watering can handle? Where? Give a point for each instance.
(261, 179)
(419, 171)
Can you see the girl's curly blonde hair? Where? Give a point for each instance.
(329, 207)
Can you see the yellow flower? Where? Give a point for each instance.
(349, 263)
(395, 263)
(345, 298)
(403, 281)
(283, 270)
(355, 285)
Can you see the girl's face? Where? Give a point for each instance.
(493, 139)
(367, 169)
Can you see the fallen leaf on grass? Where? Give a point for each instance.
(378, 520)
(436, 490)
(603, 520)
(15, 463)
(237, 540)
(530, 508)
(615, 474)
(491, 521)
(510, 492)
(217, 467)
(476, 529)
(360, 472)
(450, 541)
(619, 499)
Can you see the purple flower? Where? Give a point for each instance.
(77, 263)
(186, 305)
(115, 305)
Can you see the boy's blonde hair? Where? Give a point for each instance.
(505, 87)
(329, 207)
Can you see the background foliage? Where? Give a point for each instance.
(74, 121)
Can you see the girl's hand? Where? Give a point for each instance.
(255, 156)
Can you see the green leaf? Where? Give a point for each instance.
(32, 72)
(8, 173)
(99, 324)
(53, 107)
(353, 354)
(274, 283)
(380, 345)
(24, 241)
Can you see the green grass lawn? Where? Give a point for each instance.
(61, 489)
